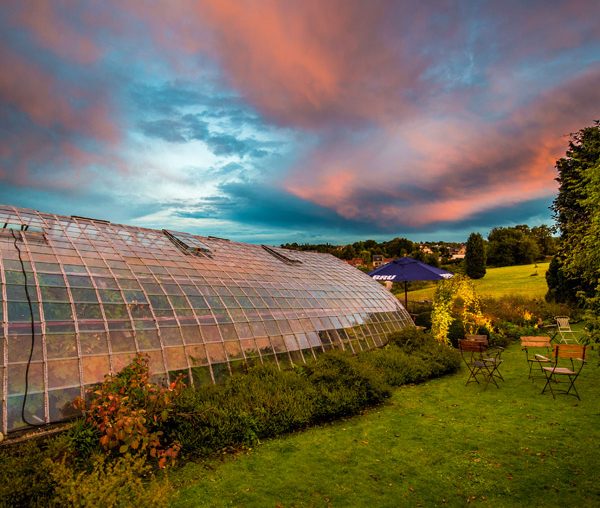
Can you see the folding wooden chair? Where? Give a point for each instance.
(473, 354)
(536, 343)
(492, 356)
(563, 329)
(565, 351)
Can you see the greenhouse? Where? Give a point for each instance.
(79, 297)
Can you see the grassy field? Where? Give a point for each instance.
(437, 444)
(527, 280)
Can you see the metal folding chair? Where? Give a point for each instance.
(536, 343)
(493, 354)
(572, 352)
(473, 354)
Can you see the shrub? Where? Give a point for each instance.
(343, 385)
(423, 319)
(264, 402)
(397, 367)
(83, 440)
(523, 311)
(418, 357)
(71, 469)
(25, 474)
(456, 332)
(204, 426)
(126, 481)
(127, 412)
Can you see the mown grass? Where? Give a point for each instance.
(437, 444)
(524, 280)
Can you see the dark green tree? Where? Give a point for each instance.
(577, 213)
(475, 257)
(546, 242)
(512, 246)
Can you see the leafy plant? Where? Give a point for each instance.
(126, 481)
(448, 293)
(127, 412)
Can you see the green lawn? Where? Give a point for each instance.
(437, 444)
(526, 280)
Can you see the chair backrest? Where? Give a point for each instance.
(535, 341)
(572, 351)
(477, 338)
(563, 323)
(471, 346)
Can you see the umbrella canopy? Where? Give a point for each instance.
(406, 269)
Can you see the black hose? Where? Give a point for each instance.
(32, 336)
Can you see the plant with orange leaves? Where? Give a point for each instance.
(128, 411)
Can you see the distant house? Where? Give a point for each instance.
(459, 253)
(425, 249)
(356, 262)
(379, 260)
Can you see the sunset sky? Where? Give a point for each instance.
(272, 121)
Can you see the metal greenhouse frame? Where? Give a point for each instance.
(80, 297)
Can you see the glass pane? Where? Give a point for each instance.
(84, 295)
(63, 373)
(54, 294)
(61, 346)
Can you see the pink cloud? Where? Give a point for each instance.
(49, 26)
(310, 63)
(449, 169)
(48, 101)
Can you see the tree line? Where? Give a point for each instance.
(441, 252)
(505, 246)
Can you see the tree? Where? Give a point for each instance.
(546, 242)
(347, 252)
(398, 247)
(576, 267)
(475, 257)
(512, 246)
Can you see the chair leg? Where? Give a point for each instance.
(490, 375)
(572, 385)
(472, 374)
(548, 384)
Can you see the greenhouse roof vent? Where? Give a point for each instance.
(187, 243)
(282, 257)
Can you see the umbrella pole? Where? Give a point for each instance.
(406, 295)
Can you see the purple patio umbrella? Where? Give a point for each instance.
(405, 269)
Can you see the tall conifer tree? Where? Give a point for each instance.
(475, 257)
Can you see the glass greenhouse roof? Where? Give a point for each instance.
(201, 306)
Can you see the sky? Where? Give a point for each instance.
(312, 121)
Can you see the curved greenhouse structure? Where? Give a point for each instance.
(80, 297)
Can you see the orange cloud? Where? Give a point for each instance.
(53, 32)
(48, 102)
(448, 169)
(308, 63)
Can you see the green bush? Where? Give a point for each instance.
(344, 385)
(456, 332)
(50, 472)
(397, 367)
(279, 401)
(523, 311)
(126, 481)
(426, 356)
(83, 440)
(25, 474)
(204, 421)
(423, 319)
